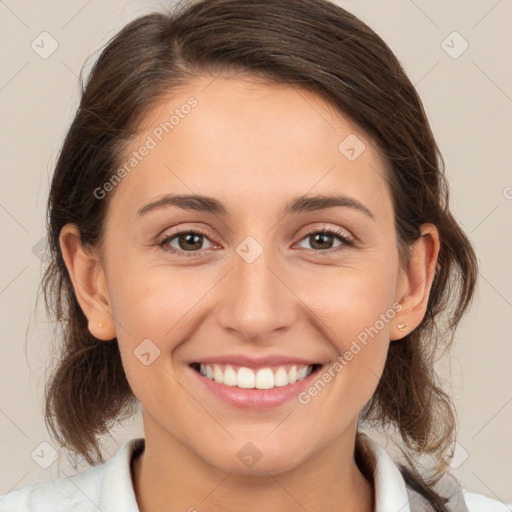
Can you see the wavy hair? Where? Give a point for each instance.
(311, 44)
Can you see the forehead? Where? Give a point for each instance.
(248, 143)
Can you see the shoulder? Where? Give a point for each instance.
(54, 495)
(394, 491)
(461, 499)
(479, 503)
(107, 487)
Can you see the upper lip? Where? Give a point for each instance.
(255, 362)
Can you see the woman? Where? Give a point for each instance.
(215, 151)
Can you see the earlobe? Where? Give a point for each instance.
(419, 277)
(88, 280)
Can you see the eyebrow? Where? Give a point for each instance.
(305, 203)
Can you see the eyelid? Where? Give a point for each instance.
(328, 228)
(345, 236)
(181, 227)
(168, 234)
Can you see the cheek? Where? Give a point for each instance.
(155, 309)
(357, 308)
(153, 302)
(356, 299)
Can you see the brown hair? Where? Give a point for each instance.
(311, 44)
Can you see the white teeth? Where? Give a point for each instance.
(292, 375)
(302, 373)
(246, 378)
(264, 379)
(217, 374)
(281, 377)
(229, 376)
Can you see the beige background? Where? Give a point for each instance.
(469, 103)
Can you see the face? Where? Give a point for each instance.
(263, 281)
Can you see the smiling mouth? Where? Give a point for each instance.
(262, 378)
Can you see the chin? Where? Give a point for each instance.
(247, 458)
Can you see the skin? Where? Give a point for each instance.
(253, 146)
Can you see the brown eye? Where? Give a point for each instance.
(323, 240)
(189, 241)
(182, 242)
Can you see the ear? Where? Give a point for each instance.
(416, 281)
(88, 280)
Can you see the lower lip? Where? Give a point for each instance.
(257, 399)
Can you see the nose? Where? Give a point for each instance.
(256, 302)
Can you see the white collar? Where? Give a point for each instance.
(113, 487)
(108, 486)
(388, 483)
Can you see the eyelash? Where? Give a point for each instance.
(338, 233)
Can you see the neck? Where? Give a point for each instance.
(168, 476)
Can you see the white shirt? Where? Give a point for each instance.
(108, 487)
